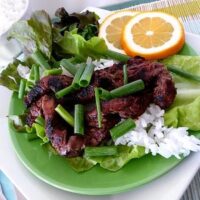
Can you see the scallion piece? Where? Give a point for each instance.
(122, 128)
(40, 59)
(79, 119)
(65, 91)
(127, 89)
(87, 75)
(52, 72)
(98, 106)
(125, 74)
(183, 73)
(22, 88)
(74, 85)
(78, 75)
(101, 151)
(32, 73)
(104, 94)
(65, 114)
(71, 68)
(36, 73)
(117, 56)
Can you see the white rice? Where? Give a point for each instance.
(23, 71)
(151, 133)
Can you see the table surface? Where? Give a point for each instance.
(33, 188)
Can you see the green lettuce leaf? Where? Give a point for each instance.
(80, 164)
(112, 163)
(188, 63)
(73, 44)
(9, 76)
(185, 109)
(184, 115)
(40, 132)
(34, 34)
(187, 90)
(125, 154)
(36, 131)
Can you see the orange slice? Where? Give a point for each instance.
(112, 27)
(153, 35)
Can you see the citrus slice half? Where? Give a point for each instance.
(153, 35)
(112, 27)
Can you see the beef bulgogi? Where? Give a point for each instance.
(41, 100)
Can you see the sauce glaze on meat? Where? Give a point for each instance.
(159, 89)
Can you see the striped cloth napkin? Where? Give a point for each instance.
(188, 11)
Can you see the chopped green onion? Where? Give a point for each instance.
(52, 72)
(36, 73)
(122, 128)
(65, 91)
(104, 94)
(65, 114)
(127, 89)
(117, 56)
(22, 88)
(40, 59)
(78, 75)
(79, 119)
(101, 151)
(40, 120)
(183, 73)
(98, 106)
(71, 68)
(32, 73)
(74, 85)
(87, 75)
(125, 73)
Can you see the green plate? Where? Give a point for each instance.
(55, 170)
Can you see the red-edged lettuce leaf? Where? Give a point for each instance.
(86, 23)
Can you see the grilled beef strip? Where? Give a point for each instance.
(46, 85)
(130, 106)
(59, 132)
(95, 135)
(34, 111)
